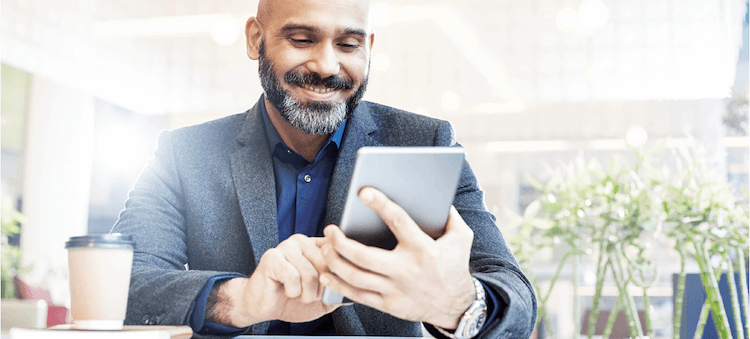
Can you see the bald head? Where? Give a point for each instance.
(271, 10)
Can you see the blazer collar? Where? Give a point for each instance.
(360, 132)
(254, 181)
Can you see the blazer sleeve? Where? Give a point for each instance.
(491, 261)
(162, 289)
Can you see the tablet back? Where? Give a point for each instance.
(422, 180)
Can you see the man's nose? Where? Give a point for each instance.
(324, 61)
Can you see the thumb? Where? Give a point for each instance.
(456, 227)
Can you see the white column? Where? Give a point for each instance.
(57, 176)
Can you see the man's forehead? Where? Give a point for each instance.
(280, 12)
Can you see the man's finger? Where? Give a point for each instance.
(366, 257)
(307, 277)
(283, 272)
(456, 228)
(319, 241)
(311, 250)
(353, 275)
(399, 222)
(362, 296)
(301, 252)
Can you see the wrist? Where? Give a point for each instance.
(460, 304)
(473, 319)
(238, 311)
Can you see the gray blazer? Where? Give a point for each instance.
(207, 199)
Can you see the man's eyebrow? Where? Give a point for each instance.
(288, 28)
(354, 31)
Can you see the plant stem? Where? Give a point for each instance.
(554, 278)
(612, 316)
(646, 309)
(702, 318)
(543, 314)
(743, 285)
(542, 307)
(734, 297)
(679, 297)
(631, 311)
(576, 299)
(713, 295)
(601, 271)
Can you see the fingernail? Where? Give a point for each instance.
(324, 280)
(366, 195)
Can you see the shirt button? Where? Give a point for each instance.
(288, 151)
(308, 178)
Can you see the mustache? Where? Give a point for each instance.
(333, 82)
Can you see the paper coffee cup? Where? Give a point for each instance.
(99, 268)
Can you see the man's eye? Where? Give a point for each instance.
(349, 47)
(301, 42)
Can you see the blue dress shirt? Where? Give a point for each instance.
(301, 195)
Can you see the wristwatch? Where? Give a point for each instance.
(473, 319)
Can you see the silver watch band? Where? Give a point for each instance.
(473, 319)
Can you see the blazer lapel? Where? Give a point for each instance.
(359, 133)
(252, 172)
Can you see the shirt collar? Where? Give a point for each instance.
(274, 138)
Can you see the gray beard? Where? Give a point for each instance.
(316, 118)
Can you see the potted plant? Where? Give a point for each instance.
(10, 219)
(708, 225)
(614, 213)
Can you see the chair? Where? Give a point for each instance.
(22, 314)
(56, 315)
(620, 329)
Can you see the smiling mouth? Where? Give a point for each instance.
(317, 90)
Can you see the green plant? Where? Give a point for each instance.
(11, 255)
(710, 226)
(592, 209)
(614, 213)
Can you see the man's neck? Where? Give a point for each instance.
(307, 145)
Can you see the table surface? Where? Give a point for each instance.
(7, 336)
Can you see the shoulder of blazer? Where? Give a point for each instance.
(397, 127)
(384, 114)
(218, 135)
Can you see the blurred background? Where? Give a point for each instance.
(88, 84)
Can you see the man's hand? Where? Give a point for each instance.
(285, 286)
(422, 279)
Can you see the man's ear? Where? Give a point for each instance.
(372, 41)
(253, 36)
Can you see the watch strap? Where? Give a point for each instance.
(479, 305)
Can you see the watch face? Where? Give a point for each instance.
(475, 325)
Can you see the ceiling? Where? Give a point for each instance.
(434, 57)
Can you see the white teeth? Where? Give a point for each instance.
(317, 90)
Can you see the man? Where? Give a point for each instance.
(242, 203)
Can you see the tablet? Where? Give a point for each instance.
(422, 180)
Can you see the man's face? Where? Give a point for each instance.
(321, 50)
